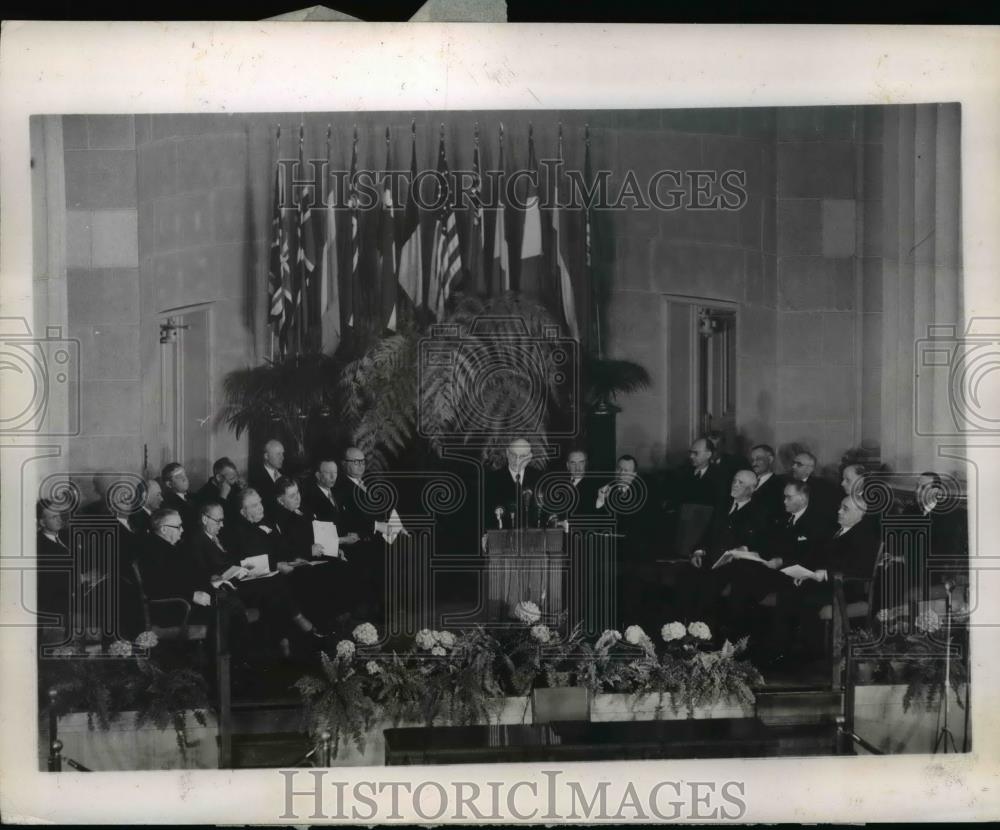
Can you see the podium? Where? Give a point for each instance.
(525, 564)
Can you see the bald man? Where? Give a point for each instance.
(263, 475)
(509, 493)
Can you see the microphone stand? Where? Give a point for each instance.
(945, 735)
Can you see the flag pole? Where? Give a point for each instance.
(277, 182)
(588, 235)
(300, 296)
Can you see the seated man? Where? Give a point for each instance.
(739, 524)
(167, 568)
(176, 496)
(851, 551)
(263, 474)
(223, 487)
(219, 569)
(823, 494)
(769, 492)
(151, 496)
(58, 581)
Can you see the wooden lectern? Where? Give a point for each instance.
(526, 565)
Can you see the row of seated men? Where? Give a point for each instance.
(191, 545)
(731, 527)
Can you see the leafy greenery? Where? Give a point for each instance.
(338, 702)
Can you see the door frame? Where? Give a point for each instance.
(162, 318)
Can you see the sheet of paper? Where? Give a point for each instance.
(230, 572)
(747, 555)
(256, 565)
(258, 575)
(325, 534)
(725, 559)
(798, 572)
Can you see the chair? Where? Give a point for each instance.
(168, 618)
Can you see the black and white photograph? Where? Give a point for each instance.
(357, 437)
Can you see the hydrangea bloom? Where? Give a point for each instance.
(366, 634)
(700, 631)
(527, 612)
(635, 635)
(673, 631)
(147, 639)
(372, 667)
(928, 621)
(425, 639)
(120, 648)
(345, 649)
(445, 638)
(437, 651)
(607, 639)
(541, 633)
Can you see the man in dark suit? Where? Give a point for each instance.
(584, 494)
(320, 498)
(824, 496)
(250, 534)
(167, 568)
(791, 543)
(727, 463)
(851, 551)
(509, 494)
(738, 523)
(58, 577)
(700, 482)
(262, 475)
(627, 503)
(223, 487)
(176, 496)
(769, 492)
(151, 498)
(272, 594)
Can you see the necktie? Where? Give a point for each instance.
(733, 509)
(517, 479)
(791, 521)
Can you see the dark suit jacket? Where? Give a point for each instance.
(209, 560)
(210, 493)
(167, 570)
(500, 490)
(797, 544)
(824, 498)
(189, 509)
(354, 517)
(245, 539)
(316, 502)
(259, 480)
(770, 499)
(948, 547)
(586, 497)
(730, 530)
(709, 489)
(853, 554)
(637, 524)
(297, 530)
(139, 521)
(56, 575)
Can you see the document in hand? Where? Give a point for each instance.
(258, 566)
(230, 572)
(798, 572)
(731, 555)
(325, 534)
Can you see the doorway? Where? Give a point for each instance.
(185, 390)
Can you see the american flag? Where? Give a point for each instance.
(351, 295)
(306, 262)
(446, 262)
(279, 273)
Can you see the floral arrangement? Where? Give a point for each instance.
(125, 676)
(462, 678)
(915, 655)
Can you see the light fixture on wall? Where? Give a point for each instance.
(169, 329)
(706, 323)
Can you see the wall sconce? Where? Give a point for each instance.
(706, 324)
(169, 329)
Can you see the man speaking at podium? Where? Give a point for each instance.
(509, 494)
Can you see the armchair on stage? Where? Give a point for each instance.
(525, 563)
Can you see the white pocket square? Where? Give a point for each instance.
(802, 539)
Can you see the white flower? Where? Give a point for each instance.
(437, 651)
(445, 638)
(928, 621)
(366, 634)
(120, 648)
(527, 612)
(372, 667)
(147, 639)
(345, 650)
(673, 631)
(700, 631)
(635, 635)
(425, 639)
(541, 633)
